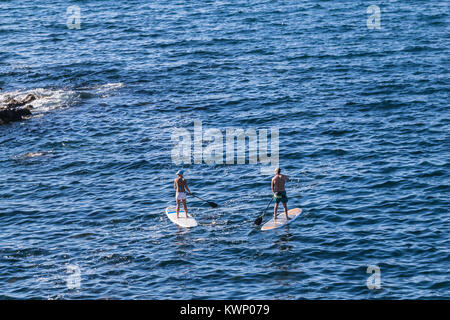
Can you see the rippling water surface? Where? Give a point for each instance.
(363, 123)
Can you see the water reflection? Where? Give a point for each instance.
(182, 241)
(283, 242)
(284, 266)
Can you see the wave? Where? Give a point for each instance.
(48, 99)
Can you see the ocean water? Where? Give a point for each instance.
(363, 120)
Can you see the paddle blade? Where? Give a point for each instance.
(212, 204)
(258, 221)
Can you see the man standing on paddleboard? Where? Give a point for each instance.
(180, 185)
(279, 192)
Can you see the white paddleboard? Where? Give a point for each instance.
(182, 221)
(281, 219)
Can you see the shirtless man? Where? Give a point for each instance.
(279, 192)
(180, 185)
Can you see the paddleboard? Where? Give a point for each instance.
(281, 219)
(182, 221)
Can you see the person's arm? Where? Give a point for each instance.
(286, 178)
(175, 183)
(272, 184)
(187, 188)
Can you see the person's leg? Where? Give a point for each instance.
(275, 210)
(178, 208)
(284, 199)
(286, 210)
(185, 207)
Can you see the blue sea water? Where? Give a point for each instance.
(363, 119)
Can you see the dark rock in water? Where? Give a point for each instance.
(13, 103)
(30, 97)
(24, 111)
(9, 114)
(14, 112)
(35, 154)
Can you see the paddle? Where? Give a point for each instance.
(259, 219)
(212, 204)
